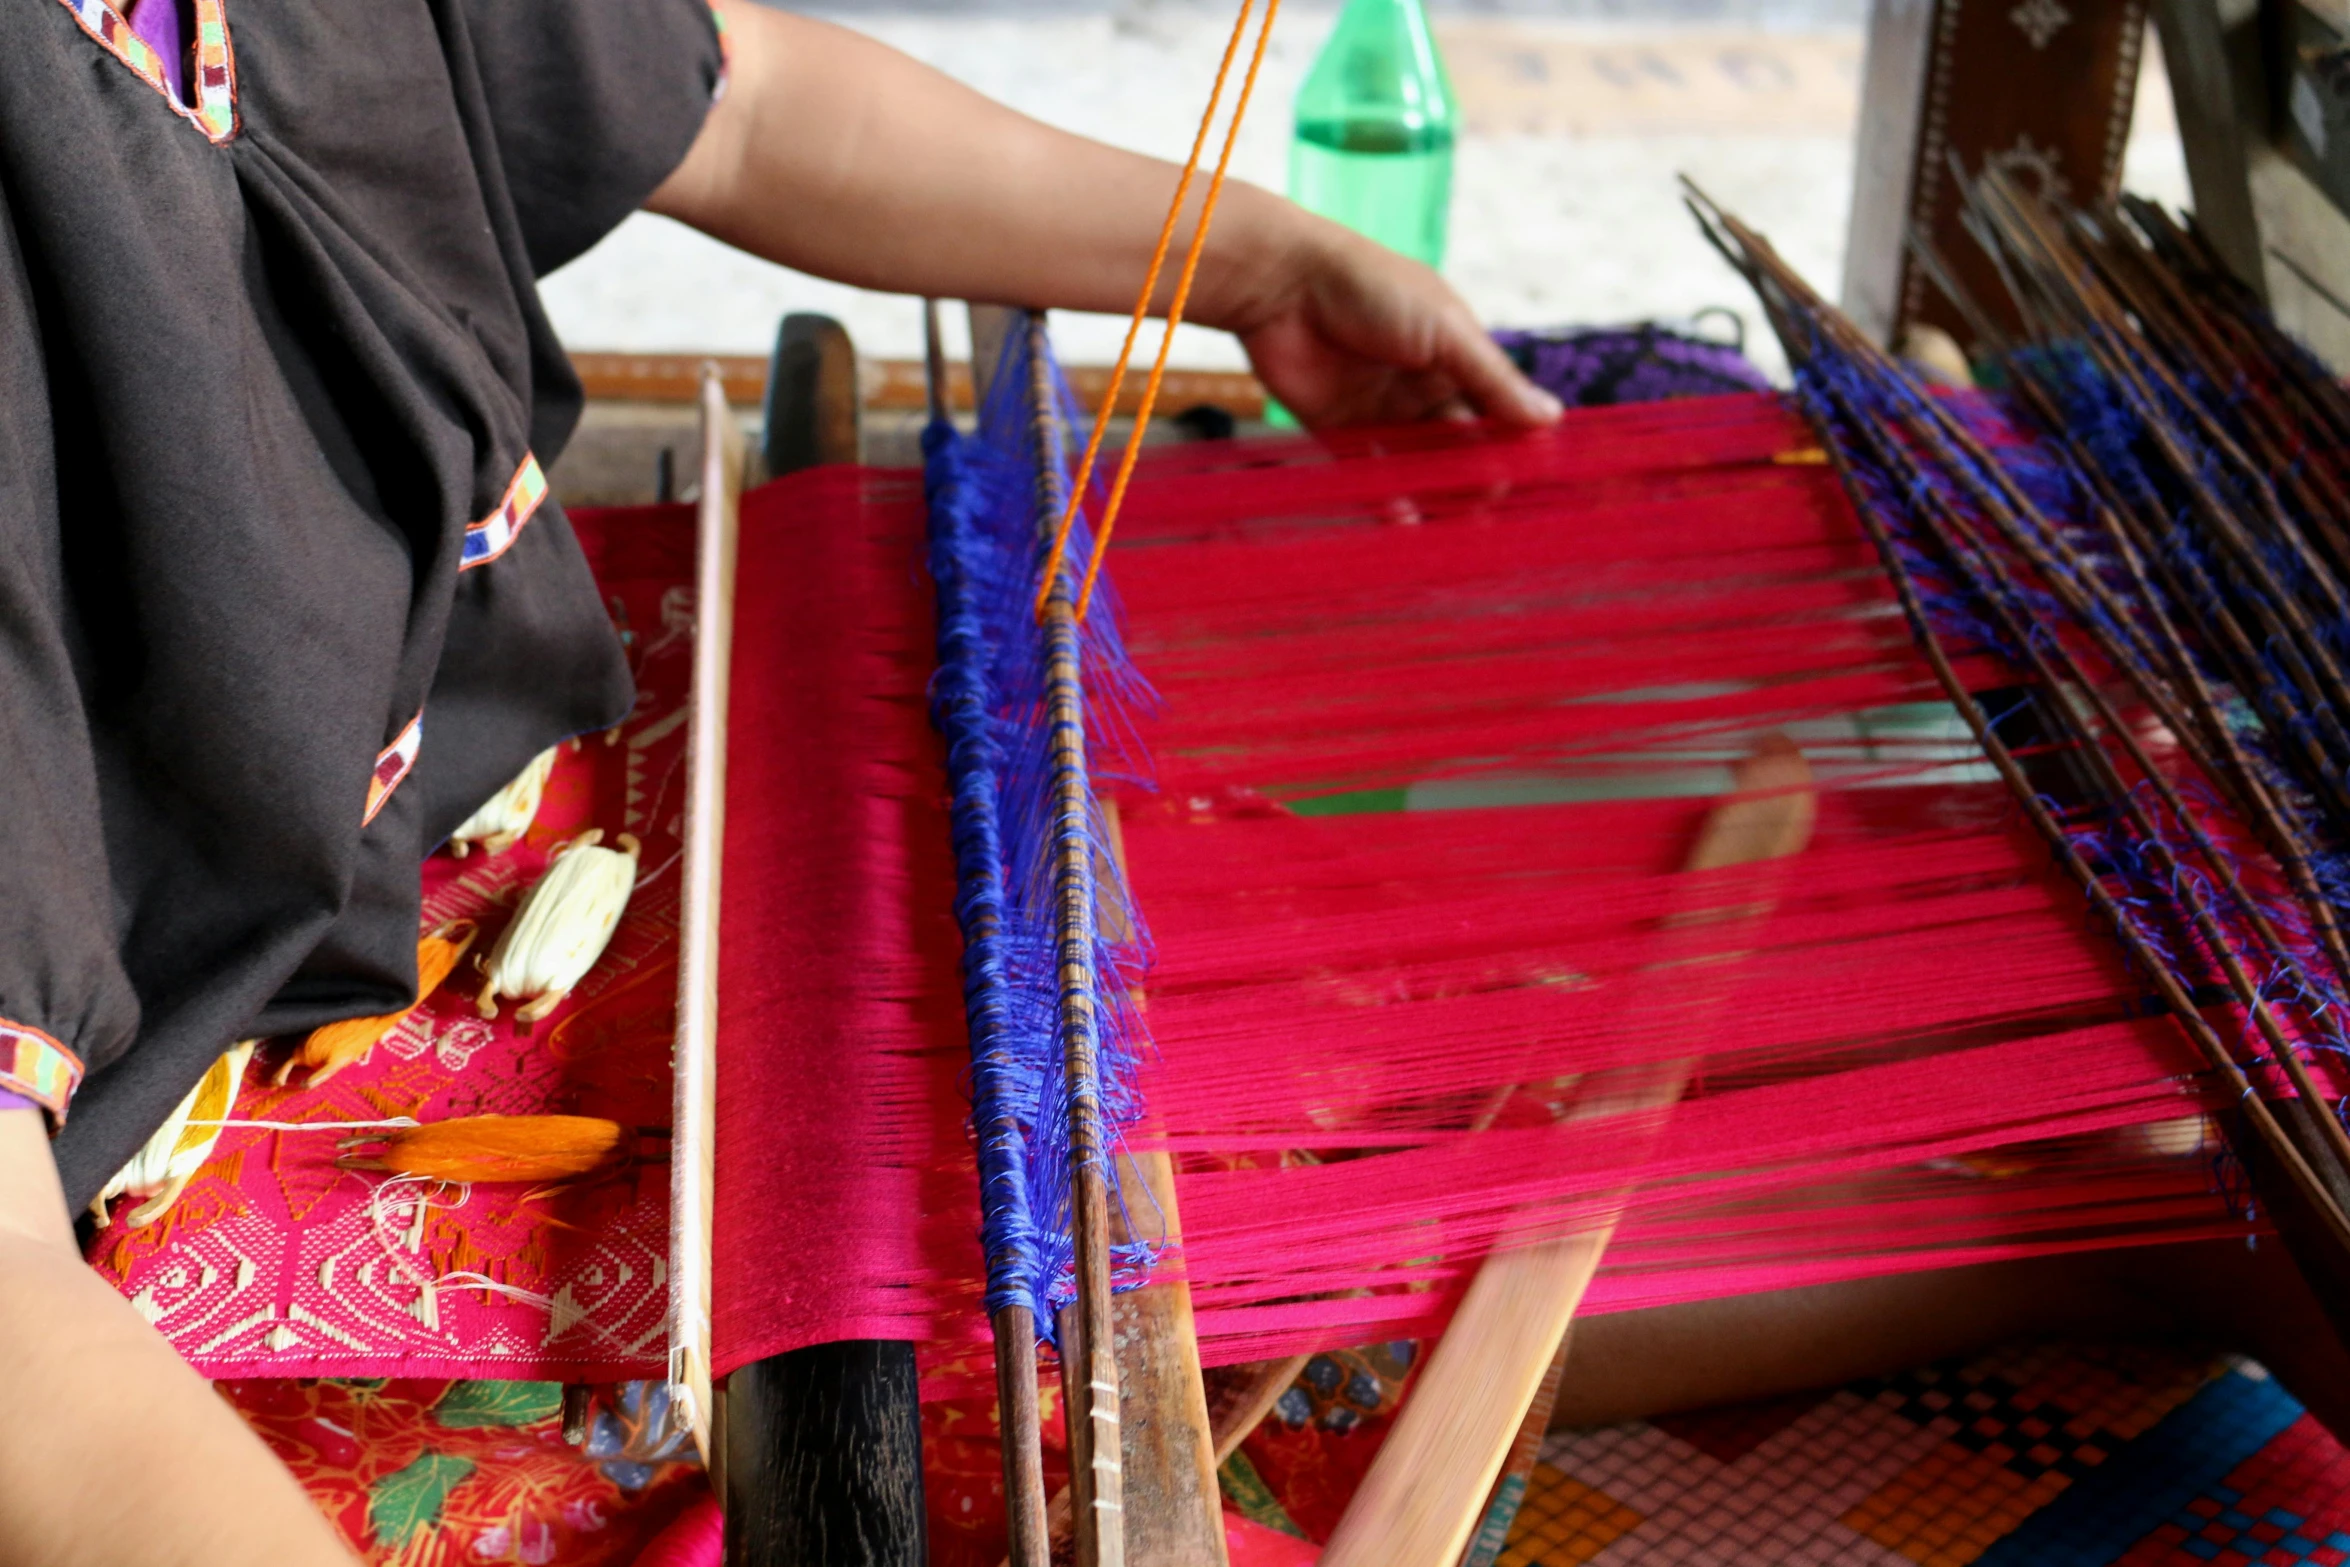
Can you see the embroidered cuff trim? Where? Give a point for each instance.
(495, 534)
(38, 1068)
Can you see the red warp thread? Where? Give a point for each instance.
(1515, 667)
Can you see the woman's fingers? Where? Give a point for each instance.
(1377, 338)
(1490, 382)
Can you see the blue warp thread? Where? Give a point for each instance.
(961, 705)
(988, 701)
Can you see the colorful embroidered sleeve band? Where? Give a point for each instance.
(491, 537)
(210, 100)
(35, 1067)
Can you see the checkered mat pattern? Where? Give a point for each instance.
(2025, 1458)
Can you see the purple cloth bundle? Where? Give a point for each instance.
(1585, 367)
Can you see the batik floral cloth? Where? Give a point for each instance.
(442, 1473)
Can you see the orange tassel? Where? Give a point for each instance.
(334, 1046)
(499, 1148)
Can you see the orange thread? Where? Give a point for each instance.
(493, 1148)
(1142, 305)
(1150, 388)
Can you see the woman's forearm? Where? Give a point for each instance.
(121, 1455)
(840, 156)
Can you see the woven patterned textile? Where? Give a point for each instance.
(1590, 367)
(2025, 1458)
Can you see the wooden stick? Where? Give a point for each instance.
(1174, 1512)
(1426, 1490)
(1517, 1471)
(1027, 1534)
(1089, 1368)
(694, 1103)
(1013, 1327)
(1241, 1397)
(1236, 1400)
(2289, 1159)
(1784, 295)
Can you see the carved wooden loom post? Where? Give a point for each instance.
(822, 1451)
(2042, 89)
(2264, 121)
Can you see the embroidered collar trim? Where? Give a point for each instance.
(212, 82)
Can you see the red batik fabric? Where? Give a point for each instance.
(436, 1473)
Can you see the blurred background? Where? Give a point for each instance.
(1574, 118)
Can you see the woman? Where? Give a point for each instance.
(282, 597)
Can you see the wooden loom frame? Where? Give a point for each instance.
(816, 1453)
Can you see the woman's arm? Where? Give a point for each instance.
(840, 156)
(121, 1454)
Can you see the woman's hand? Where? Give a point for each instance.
(1343, 331)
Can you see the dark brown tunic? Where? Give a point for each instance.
(281, 600)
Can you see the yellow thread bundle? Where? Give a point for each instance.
(161, 1170)
(561, 928)
(506, 815)
(334, 1046)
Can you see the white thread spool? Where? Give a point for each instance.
(506, 815)
(562, 927)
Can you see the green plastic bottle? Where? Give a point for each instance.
(1372, 147)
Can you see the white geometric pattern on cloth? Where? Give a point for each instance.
(336, 1292)
(331, 1284)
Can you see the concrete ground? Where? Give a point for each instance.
(1579, 114)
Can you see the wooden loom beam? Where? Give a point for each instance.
(820, 1461)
